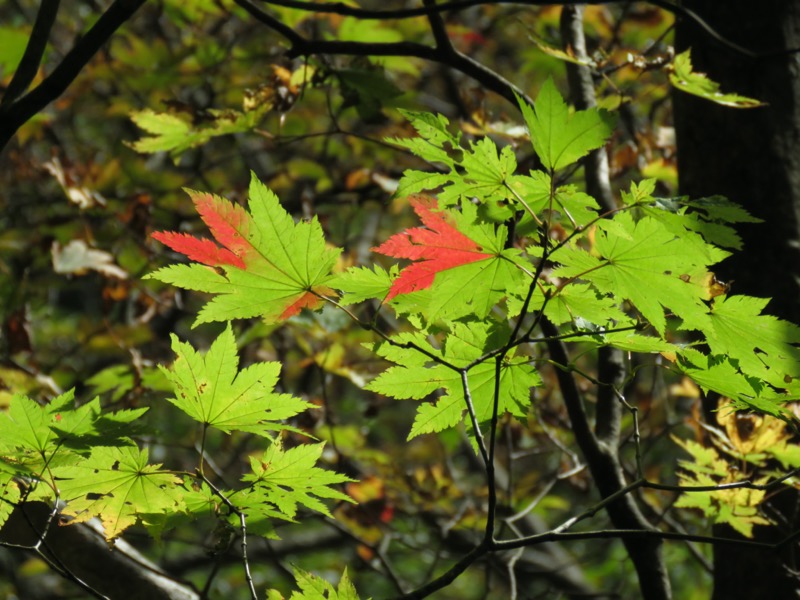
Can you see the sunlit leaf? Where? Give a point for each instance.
(213, 391)
(686, 79)
(559, 138)
(118, 486)
(267, 266)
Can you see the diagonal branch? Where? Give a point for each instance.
(15, 114)
(34, 52)
(83, 556)
(438, 28)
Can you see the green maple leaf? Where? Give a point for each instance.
(267, 266)
(481, 172)
(573, 303)
(630, 341)
(559, 138)
(9, 496)
(575, 207)
(313, 587)
(286, 479)
(361, 283)
(25, 428)
(720, 374)
(708, 217)
(33, 435)
(762, 345)
(118, 486)
(434, 137)
(417, 376)
(647, 264)
(212, 390)
(173, 134)
(485, 174)
(87, 425)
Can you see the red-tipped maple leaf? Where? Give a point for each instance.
(228, 223)
(438, 246)
(264, 263)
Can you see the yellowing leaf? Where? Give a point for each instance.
(686, 79)
(313, 587)
(751, 434)
(738, 507)
(173, 134)
(118, 486)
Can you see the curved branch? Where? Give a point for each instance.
(34, 52)
(339, 8)
(15, 114)
(629, 535)
(447, 56)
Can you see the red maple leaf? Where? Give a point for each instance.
(229, 224)
(438, 246)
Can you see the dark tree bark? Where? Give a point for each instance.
(753, 158)
(750, 156)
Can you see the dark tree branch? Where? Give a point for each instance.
(34, 51)
(17, 113)
(339, 8)
(603, 462)
(452, 573)
(679, 10)
(447, 55)
(115, 572)
(628, 536)
(581, 85)
(438, 28)
(646, 557)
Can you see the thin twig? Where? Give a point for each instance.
(242, 526)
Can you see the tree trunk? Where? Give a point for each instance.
(753, 158)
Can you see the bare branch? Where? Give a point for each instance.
(604, 465)
(34, 52)
(679, 10)
(85, 557)
(16, 114)
(447, 56)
